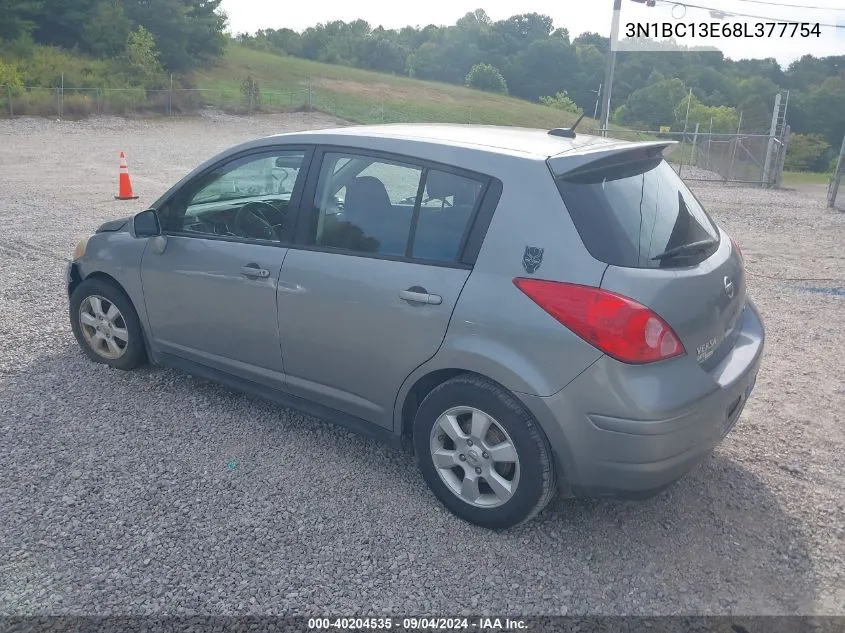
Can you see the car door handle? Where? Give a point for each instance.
(420, 295)
(253, 271)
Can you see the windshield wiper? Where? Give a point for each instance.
(686, 249)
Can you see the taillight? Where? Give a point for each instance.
(618, 326)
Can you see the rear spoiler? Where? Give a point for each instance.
(605, 154)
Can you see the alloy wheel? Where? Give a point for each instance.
(475, 457)
(103, 327)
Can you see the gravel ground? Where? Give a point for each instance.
(151, 492)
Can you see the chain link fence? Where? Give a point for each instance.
(698, 155)
(735, 158)
(71, 102)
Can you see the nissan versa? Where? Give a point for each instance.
(537, 310)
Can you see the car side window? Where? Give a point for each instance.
(445, 213)
(375, 205)
(248, 198)
(365, 205)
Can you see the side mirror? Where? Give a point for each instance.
(146, 224)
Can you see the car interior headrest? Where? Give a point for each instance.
(440, 185)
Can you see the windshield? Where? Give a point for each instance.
(633, 214)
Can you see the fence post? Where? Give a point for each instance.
(170, 97)
(833, 189)
(782, 160)
(770, 145)
(97, 97)
(733, 148)
(694, 143)
(310, 101)
(11, 106)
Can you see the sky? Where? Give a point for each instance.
(577, 16)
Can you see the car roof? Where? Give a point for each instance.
(498, 139)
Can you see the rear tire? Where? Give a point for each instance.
(106, 325)
(482, 453)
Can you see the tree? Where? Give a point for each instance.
(105, 31)
(472, 19)
(806, 72)
(486, 77)
(189, 33)
(826, 109)
(382, 54)
(709, 82)
(757, 102)
(9, 76)
(756, 114)
(724, 119)
(561, 101)
(282, 40)
(807, 152)
(142, 56)
(654, 105)
(520, 30)
(313, 41)
(589, 38)
(19, 17)
(61, 23)
(423, 63)
(542, 68)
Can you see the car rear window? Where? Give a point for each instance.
(628, 213)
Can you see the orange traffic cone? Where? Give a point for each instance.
(124, 190)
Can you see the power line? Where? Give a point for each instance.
(742, 15)
(792, 6)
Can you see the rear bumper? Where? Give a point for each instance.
(630, 431)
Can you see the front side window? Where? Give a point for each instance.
(249, 198)
(378, 206)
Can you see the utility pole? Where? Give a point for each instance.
(611, 63)
(598, 98)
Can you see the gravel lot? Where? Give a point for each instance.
(152, 492)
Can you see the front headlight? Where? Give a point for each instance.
(79, 251)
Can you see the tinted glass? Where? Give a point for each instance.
(365, 204)
(629, 213)
(445, 213)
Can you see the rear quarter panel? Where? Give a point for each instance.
(495, 329)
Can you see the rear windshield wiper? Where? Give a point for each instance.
(686, 249)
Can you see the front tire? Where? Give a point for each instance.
(482, 453)
(106, 325)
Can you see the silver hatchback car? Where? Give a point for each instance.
(536, 310)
